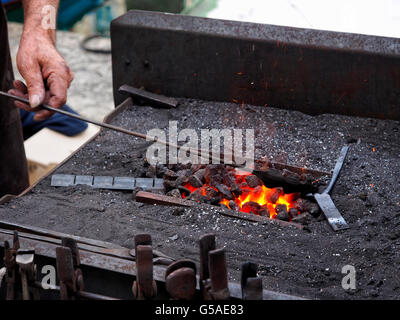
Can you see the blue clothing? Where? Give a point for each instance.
(58, 122)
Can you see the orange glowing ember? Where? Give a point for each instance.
(265, 197)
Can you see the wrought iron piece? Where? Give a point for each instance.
(184, 263)
(207, 243)
(144, 266)
(249, 269)
(66, 272)
(218, 274)
(143, 239)
(73, 245)
(254, 289)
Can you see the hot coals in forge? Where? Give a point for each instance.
(237, 190)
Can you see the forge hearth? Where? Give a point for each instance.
(290, 259)
(305, 93)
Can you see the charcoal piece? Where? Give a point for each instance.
(214, 201)
(212, 170)
(293, 212)
(184, 173)
(304, 205)
(195, 181)
(146, 163)
(195, 195)
(291, 177)
(213, 175)
(200, 174)
(170, 175)
(235, 189)
(184, 190)
(161, 169)
(304, 218)
(225, 192)
(281, 212)
(252, 181)
(313, 209)
(251, 207)
(174, 193)
(301, 205)
(274, 194)
(181, 180)
(233, 206)
(229, 179)
(243, 185)
(210, 192)
(195, 168)
(264, 211)
(290, 174)
(169, 185)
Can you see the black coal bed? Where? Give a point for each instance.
(299, 262)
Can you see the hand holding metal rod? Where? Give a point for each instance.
(200, 153)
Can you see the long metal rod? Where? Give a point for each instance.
(200, 153)
(75, 116)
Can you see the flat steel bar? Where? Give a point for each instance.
(149, 97)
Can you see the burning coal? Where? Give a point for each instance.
(237, 190)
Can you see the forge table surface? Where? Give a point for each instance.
(307, 264)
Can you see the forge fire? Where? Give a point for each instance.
(236, 190)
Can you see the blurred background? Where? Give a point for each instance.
(375, 17)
